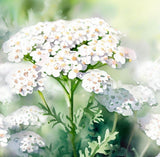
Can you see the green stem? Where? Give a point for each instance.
(130, 138)
(63, 86)
(145, 149)
(71, 111)
(43, 100)
(54, 115)
(113, 128)
(115, 122)
(70, 96)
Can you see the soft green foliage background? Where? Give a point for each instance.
(138, 19)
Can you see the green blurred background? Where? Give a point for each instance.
(138, 19)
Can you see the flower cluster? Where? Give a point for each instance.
(4, 136)
(149, 73)
(96, 81)
(25, 79)
(68, 47)
(158, 155)
(150, 124)
(25, 116)
(118, 100)
(27, 142)
(6, 93)
(142, 94)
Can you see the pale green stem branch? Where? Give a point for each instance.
(115, 122)
(145, 149)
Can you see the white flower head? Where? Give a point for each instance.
(142, 94)
(26, 142)
(118, 100)
(149, 72)
(25, 116)
(96, 81)
(4, 137)
(1, 121)
(25, 79)
(150, 124)
(68, 47)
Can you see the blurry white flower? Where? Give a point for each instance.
(118, 100)
(4, 136)
(25, 142)
(25, 79)
(96, 81)
(142, 94)
(25, 116)
(158, 155)
(149, 73)
(6, 94)
(1, 121)
(150, 124)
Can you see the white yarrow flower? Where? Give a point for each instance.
(150, 124)
(96, 81)
(25, 116)
(118, 100)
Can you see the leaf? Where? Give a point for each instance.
(99, 146)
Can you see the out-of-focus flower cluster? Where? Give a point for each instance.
(25, 141)
(128, 99)
(4, 136)
(149, 73)
(150, 124)
(6, 94)
(142, 94)
(65, 48)
(118, 100)
(25, 116)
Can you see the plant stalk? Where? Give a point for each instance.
(115, 122)
(145, 149)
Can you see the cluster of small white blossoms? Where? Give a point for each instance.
(158, 155)
(6, 94)
(27, 142)
(24, 80)
(150, 124)
(24, 117)
(149, 73)
(96, 81)
(118, 100)
(68, 47)
(142, 94)
(4, 136)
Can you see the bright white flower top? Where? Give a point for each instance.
(150, 124)
(158, 155)
(118, 100)
(26, 142)
(25, 116)
(25, 79)
(142, 94)
(1, 121)
(68, 47)
(4, 136)
(6, 95)
(96, 81)
(149, 73)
